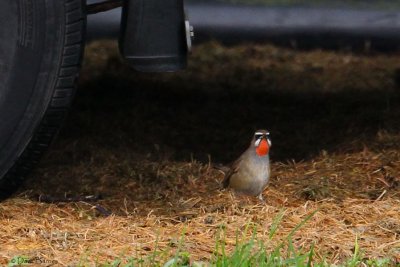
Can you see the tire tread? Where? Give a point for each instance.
(61, 98)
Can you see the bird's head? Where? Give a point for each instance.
(262, 142)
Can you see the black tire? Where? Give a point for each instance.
(41, 44)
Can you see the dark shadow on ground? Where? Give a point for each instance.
(142, 136)
(185, 124)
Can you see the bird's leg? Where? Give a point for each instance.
(261, 198)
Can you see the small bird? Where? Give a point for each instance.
(250, 173)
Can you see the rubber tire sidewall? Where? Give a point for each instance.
(38, 81)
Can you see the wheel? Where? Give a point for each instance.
(41, 45)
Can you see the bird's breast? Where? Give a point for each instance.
(252, 176)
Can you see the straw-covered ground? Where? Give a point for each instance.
(147, 142)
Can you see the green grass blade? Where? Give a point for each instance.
(310, 256)
(275, 223)
(297, 227)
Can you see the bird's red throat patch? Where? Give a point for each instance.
(262, 148)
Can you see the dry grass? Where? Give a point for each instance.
(145, 143)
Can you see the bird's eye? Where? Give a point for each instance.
(258, 136)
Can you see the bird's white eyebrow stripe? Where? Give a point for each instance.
(258, 133)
